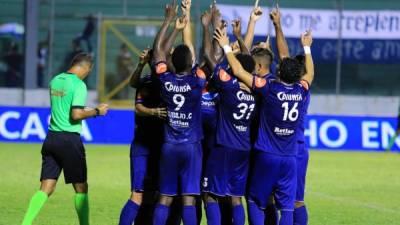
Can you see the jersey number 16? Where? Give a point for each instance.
(291, 114)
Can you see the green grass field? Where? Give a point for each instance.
(343, 187)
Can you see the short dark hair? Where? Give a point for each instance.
(82, 57)
(182, 58)
(290, 70)
(302, 60)
(247, 62)
(263, 53)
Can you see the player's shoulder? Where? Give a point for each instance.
(223, 73)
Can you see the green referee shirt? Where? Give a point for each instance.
(66, 92)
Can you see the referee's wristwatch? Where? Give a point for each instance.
(97, 112)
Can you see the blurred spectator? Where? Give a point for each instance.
(125, 67)
(75, 49)
(42, 62)
(87, 32)
(14, 61)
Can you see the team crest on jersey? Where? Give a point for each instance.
(200, 73)
(260, 82)
(224, 76)
(161, 68)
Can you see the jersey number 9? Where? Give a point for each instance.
(179, 100)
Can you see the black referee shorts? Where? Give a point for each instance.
(64, 151)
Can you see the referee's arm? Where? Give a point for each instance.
(78, 109)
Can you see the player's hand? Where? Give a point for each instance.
(306, 39)
(237, 28)
(159, 112)
(181, 22)
(103, 109)
(216, 15)
(266, 44)
(185, 6)
(144, 56)
(171, 11)
(235, 47)
(256, 14)
(275, 15)
(206, 18)
(221, 37)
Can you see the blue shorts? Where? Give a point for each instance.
(302, 164)
(226, 172)
(273, 174)
(144, 168)
(180, 166)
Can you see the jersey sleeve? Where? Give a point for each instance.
(200, 75)
(80, 94)
(261, 85)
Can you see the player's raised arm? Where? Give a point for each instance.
(144, 58)
(180, 24)
(237, 68)
(207, 45)
(306, 41)
(282, 46)
(187, 36)
(237, 31)
(159, 51)
(216, 23)
(255, 15)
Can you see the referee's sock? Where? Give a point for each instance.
(36, 203)
(82, 208)
(128, 213)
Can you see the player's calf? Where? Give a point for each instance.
(237, 211)
(300, 215)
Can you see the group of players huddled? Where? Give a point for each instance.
(226, 125)
(211, 130)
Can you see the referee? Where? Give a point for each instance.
(63, 149)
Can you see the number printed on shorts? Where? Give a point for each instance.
(179, 100)
(291, 114)
(244, 108)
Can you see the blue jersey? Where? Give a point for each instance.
(209, 101)
(148, 130)
(302, 119)
(282, 107)
(182, 97)
(235, 111)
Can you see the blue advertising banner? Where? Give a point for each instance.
(25, 124)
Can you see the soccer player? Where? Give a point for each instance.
(300, 215)
(283, 102)
(181, 154)
(145, 148)
(63, 149)
(228, 163)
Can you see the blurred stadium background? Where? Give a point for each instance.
(354, 106)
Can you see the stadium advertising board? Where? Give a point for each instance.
(23, 124)
(369, 36)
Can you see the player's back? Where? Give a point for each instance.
(283, 107)
(235, 111)
(182, 96)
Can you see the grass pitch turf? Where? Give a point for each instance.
(343, 188)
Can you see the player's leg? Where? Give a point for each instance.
(214, 184)
(190, 176)
(169, 173)
(300, 215)
(50, 172)
(286, 190)
(225, 208)
(271, 213)
(263, 177)
(138, 167)
(237, 173)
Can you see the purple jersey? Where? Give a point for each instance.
(282, 107)
(235, 111)
(182, 96)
